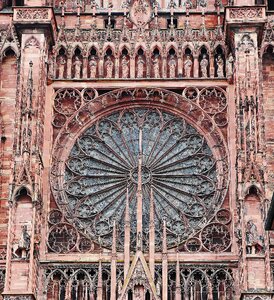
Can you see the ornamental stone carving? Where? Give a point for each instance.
(140, 12)
(109, 141)
(32, 14)
(246, 13)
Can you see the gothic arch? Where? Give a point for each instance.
(62, 47)
(188, 46)
(7, 48)
(172, 45)
(22, 191)
(140, 46)
(109, 46)
(93, 46)
(75, 47)
(156, 46)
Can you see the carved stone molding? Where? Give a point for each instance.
(32, 14)
(18, 297)
(246, 13)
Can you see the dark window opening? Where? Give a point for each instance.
(259, 2)
(111, 24)
(9, 52)
(175, 23)
(62, 51)
(108, 52)
(270, 4)
(140, 51)
(125, 52)
(19, 2)
(93, 51)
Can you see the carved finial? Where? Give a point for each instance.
(62, 5)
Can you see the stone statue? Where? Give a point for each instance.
(140, 67)
(158, 288)
(120, 286)
(172, 66)
(109, 67)
(188, 66)
(203, 66)
(156, 66)
(125, 67)
(220, 66)
(253, 240)
(61, 66)
(77, 67)
(93, 67)
(24, 242)
(229, 65)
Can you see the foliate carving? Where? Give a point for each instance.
(216, 237)
(191, 93)
(89, 94)
(246, 13)
(55, 217)
(32, 42)
(62, 238)
(212, 100)
(32, 14)
(140, 12)
(246, 44)
(223, 216)
(85, 245)
(67, 101)
(193, 245)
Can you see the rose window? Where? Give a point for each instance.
(145, 152)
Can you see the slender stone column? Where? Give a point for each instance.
(196, 66)
(151, 236)
(100, 285)
(178, 284)
(139, 194)
(127, 237)
(113, 265)
(164, 264)
(132, 66)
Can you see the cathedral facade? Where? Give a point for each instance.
(137, 149)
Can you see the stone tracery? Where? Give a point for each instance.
(101, 145)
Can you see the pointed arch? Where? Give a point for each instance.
(7, 49)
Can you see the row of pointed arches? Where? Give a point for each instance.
(140, 64)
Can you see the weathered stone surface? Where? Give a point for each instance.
(136, 149)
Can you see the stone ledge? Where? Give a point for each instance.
(35, 17)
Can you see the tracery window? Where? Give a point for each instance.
(177, 167)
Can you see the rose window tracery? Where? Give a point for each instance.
(178, 172)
